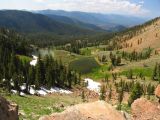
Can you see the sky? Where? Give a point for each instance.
(142, 8)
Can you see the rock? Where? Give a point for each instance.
(99, 110)
(8, 111)
(143, 109)
(157, 91)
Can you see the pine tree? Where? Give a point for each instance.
(49, 77)
(83, 96)
(155, 72)
(102, 93)
(130, 74)
(106, 78)
(79, 79)
(135, 93)
(110, 93)
(69, 77)
(120, 98)
(118, 60)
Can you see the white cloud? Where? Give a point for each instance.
(102, 6)
(141, 2)
(40, 1)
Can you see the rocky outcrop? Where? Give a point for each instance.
(157, 91)
(99, 110)
(8, 111)
(143, 109)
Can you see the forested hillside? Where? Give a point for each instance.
(105, 21)
(75, 22)
(42, 30)
(17, 70)
(27, 22)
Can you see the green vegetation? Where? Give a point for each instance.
(135, 93)
(99, 73)
(102, 93)
(84, 65)
(65, 56)
(32, 107)
(146, 53)
(24, 58)
(125, 107)
(139, 71)
(63, 64)
(85, 51)
(48, 72)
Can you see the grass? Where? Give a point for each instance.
(86, 51)
(45, 52)
(125, 108)
(99, 73)
(24, 58)
(136, 71)
(84, 65)
(65, 56)
(34, 107)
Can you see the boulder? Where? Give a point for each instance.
(99, 110)
(8, 111)
(143, 109)
(157, 91)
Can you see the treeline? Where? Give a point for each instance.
(135, 89)
(61, 40)
(135, 56)
(156, 72)
(75, 46)
(14, 71)
(11, 44)
(50, 73)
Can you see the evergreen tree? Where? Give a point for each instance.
(110, 93)
(135, 93)
(102, 93)
(83, 96)
(130, 74)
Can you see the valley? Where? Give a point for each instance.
(76, 62)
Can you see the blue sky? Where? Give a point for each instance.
(143, 8)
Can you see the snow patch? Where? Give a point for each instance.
(32, 91)
(34, 61)
(92, 85)
(41, 92)
(4, 80)
(60, 90)
(11, 82)
(14, 91)
(22, 94)
(23, 87)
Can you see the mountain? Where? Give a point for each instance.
(139, 37)
(104, 21)
(74, 22)
(27, 22)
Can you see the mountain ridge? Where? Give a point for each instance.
(97, 18)
(27, 22)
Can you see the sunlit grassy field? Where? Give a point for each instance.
(33, 107)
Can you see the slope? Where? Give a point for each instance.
(139, 37)
(72, 21)
(27, 22)
(105, 21)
